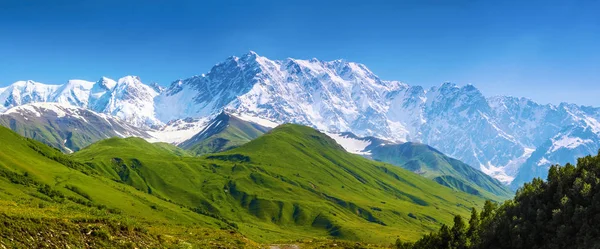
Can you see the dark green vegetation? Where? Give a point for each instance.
(47, 199)
(225, 132)
(562, 212)
(291, 183)
(429, 162)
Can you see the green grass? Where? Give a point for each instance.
(291, 183)
(65, 134)
(46, 198)
(224, 133)
(430, 163)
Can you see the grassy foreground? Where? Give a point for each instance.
(293, 186)
(44, 203)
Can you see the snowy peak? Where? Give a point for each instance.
(100, 94)
(565, 147)
(496, 135)
(23, 92)
(252, 82)
(132, 101)
(451, 97)
(128, 98)
(106, 83)
(158, 88)
(338, 96)
(74, 92)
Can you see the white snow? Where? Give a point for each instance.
(496, 172)
(24, 92)
(352, 145)
(177, 131)
(506, 173)
(256, 120)
(21, 109)
(129, 99)
(326, 95)
(334, 96)
(543, 162)
(74, 92)
(133, 102)
(568, 143)
(59, 110)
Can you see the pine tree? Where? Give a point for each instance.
(445, 235)
(459, 236)
(473, 231)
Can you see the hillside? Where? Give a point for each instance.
(505, 137)
(561, 212)
(224, 132)
(293, 182)
(425, 161)
(65, 127)
(429, 162)
(48, 200)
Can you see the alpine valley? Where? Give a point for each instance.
(261, 153)
(511, 139)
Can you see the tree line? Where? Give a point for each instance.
(562, 212)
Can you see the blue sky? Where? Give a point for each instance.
(545, 50)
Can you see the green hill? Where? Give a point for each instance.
(224, 132)
(429, 162)
(293, 182)
(48, 200)
(64, 127)
(561, 212)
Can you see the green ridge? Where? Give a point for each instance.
(47, 199)
(225, 132)
(291, 183)
(561, 212)
(428, 162)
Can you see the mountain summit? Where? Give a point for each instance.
(494, 134)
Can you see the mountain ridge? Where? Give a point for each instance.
(494, 134)
(293, 181)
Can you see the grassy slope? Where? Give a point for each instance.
(59, 133)
(82, 209)
(229, 132)
(428, 162)
(294, 182)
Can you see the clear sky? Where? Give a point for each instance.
(545, 50)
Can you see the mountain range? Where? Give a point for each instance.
(226, 132)
(511, 139)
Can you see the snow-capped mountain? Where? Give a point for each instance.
(342, 96)
(128, 98)
(66, 127)
(572, 142)
(24, 92)
(494, 134)
(178, 131)
(74, 92)
(100, 94)
(335, 95)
